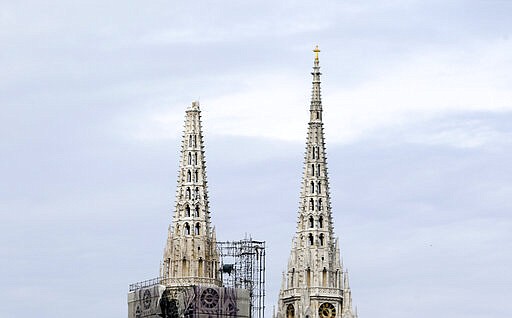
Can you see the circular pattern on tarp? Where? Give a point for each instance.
(209, 298)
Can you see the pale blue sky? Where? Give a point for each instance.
(418, 104)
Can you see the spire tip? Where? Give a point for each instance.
(316, 50)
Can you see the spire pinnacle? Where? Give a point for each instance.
(346, 283)
(316, 50)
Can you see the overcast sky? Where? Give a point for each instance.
(417, 106)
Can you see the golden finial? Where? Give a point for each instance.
(316, 50)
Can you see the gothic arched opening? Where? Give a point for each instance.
(290, 311)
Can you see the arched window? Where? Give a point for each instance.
(310, 239)
(318, 170)
(189, 158)
(311, 204)
(321, 240)
(196, 176)
(197, 193)
(317, 115)
(197, 228)
(320, 204)
(195, 158)
(197, 210)
(318, 187)
(189, 176)
(324, 277)
(312, 187)
(195, 141)
(312, 169)
(187, 211)
(314, 152)
(321, 222)
(311, 222)
(190, 141)
(187, 229)
(290, 311)
(188, 194)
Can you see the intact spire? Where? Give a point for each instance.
(315, 218)
(314, 278)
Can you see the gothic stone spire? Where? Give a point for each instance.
(190, 255)
(313, 284)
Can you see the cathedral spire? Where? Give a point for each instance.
(190, 255)
(315, 220)
(314, 278)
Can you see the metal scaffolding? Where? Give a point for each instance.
(242, 265)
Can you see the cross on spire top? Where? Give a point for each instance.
(316, 50)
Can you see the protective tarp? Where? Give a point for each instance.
(145, 302)
(205, 302)
(188, 302)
